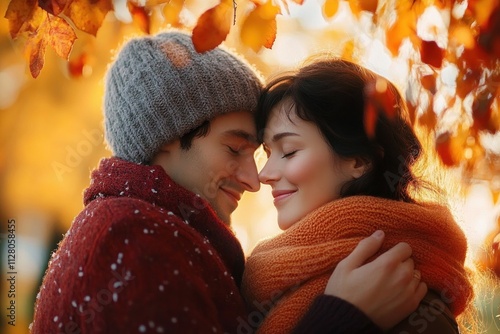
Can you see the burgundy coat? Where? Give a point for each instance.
(145, 255)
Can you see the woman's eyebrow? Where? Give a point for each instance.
(281, 135)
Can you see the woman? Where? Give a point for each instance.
(336, 176)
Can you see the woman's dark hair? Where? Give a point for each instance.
(335, 94)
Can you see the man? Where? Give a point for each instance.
(152, 251)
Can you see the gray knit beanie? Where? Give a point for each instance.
(159, 88)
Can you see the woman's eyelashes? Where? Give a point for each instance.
(289, 154)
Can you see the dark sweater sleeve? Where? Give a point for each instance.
(329, 314)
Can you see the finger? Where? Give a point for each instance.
(364, 250)
(399, 253)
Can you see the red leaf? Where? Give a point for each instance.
(431, 53)
(443, 148)
(213, 26)
(370, 119)
(140, 17)
(76, 65)
(481, 111)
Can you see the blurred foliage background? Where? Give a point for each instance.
(51, 136)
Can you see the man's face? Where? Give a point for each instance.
(219, 166)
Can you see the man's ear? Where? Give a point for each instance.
(359, 166)
(166, 153)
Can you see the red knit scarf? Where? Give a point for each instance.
(288, 271)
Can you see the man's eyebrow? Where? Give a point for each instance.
(241, 134)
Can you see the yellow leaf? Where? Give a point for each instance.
(259, 28)
(462, 35)
(171, 12)
(330, 8)
(213, 26)
(348, 51)
(19, 12)
(88, 15)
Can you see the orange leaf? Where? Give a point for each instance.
(259, 28)
(370, 119)
(61, 36)
(466, 81)
(213, 26)
(431, 53)
(330, 8)
(428, 118)
(54, 7)
(369, 5)
(50, 30)
(462, 34)
(18, 13)
(429, 82)
(171, 12)
(76, 65)
(36, 44)
(88, 15)
(139, 16)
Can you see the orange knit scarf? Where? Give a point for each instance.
(286, 273)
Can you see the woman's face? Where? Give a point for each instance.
(302, 169)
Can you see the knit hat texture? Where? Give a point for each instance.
(159, 88)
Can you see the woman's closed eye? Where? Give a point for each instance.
(289, 154)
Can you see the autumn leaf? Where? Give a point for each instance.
(330, 8)
(379, 96)
(370, 119)
(467, 79)
(259, 27)
(18, 13)
(88, 15)
(348, 50)
(357, 6)
(489, 37)
(431, 53)
(428, 118)
(213, 26)
(50, 30)
(76, 65)
(481, 111)
(140, 17)
(429, 82)
(444, 149)
(171, 12)
(54, 7)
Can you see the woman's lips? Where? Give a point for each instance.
(281, 195)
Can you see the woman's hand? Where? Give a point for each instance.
(387, 290)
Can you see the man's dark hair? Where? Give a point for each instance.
(200, 131)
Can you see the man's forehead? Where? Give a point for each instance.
(241, 134)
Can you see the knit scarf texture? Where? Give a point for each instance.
(284, 274)
(119, 178)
